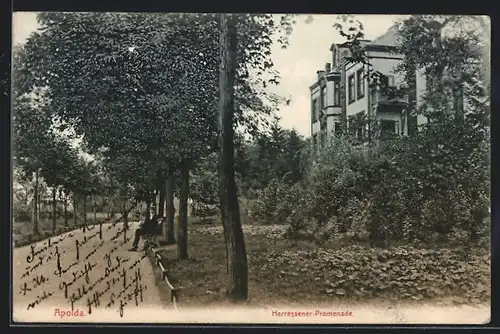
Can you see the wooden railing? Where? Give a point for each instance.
(174, 293)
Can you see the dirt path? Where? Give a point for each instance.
(102, 280)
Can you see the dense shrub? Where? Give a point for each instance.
(22, 216)
(422, 190)
(204, 188)
(25, 215)
(277, 202)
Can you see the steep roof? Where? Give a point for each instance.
(389, 38)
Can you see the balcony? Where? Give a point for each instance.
(382, 98)
(333, 110)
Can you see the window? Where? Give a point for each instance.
(360, 83)
(336, 94)
(388, 128)
(315, 110)
(323, 97)
(351, 88)
(390, 81)
(334, 58)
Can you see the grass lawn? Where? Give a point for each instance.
(22, 231)
(280, 274)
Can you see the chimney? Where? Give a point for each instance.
(320, 74)
(328, 67)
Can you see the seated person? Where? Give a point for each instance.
(144, 227)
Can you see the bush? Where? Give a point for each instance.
(397, 190)
(356, 219)
(203, 210)
(25, 216)
(22, 216)
(275, 203)
(204, 187)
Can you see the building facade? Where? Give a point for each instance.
(342, 95)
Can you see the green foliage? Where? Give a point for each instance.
(275, 154)
(37, 147)
(400, 190)
(266, 206)
(402, 273)
(142, 88)
(413, 190)
(31, 133)
(204, 187)
(40, 147)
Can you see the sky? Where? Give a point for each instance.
(307, 53)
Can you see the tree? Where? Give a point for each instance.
(456, 105)
(123, 84)
(204, 187)
(33, 139)
(137, 98)
(293, 158)
(230, 213)
(57, 160)
(278, 138)
(130, 70)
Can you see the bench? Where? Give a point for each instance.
(151, 236)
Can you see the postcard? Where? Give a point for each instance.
(189, 168)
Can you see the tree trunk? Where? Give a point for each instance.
(125, 221)
(54, 210)
(112, 211)
(194, 211)
(85, 210)
(106, 209)
(182, 232)
(412, 127)
(148, 209)
(169, 227)
(153, 205)
(161, 188)
(65, 209)
(39, 204)
(94, 204)
(233, 232)
(35, 206)
(109, 207)
(75, 211)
